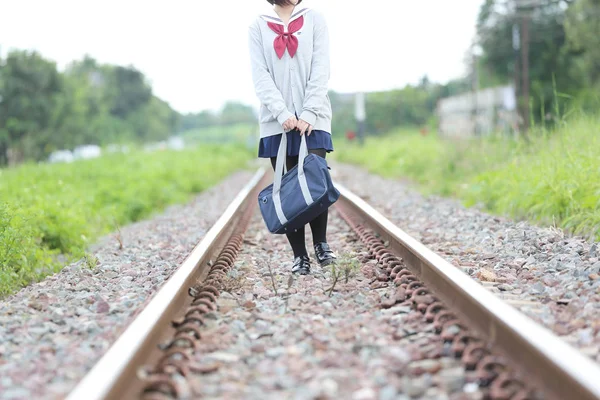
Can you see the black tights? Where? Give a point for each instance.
(318, 226)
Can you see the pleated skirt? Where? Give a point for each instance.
(269, 146)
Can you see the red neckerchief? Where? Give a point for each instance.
(286, 39)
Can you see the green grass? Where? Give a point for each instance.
(553, 179)
(52, 210)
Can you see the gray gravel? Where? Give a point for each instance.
(273, 338)
(54, 331)
(552, 277)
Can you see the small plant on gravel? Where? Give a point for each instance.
(272, 278)
(286, 297)
(336, 274)
(91, 261)
(118, 235)
(349, 265)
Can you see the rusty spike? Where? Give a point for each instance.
(211, 306)
(440, 318)
(461, 341)
(175, 366)
(432, 311)
(473, 354)
(220, 263)
(191, 328)
(395, 271)
(505, 387)
(211, 289)
(205, 295)
(447, 334)
(408, 279)
(182, 341)
(489, 368)
(161, 384)
(175, 354)
(420, 291)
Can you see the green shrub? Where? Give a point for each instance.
(554, 178)
(46, 210)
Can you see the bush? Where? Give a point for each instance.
(46, 210)
(553, 179)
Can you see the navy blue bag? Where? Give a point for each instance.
(301, 195)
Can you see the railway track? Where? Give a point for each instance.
(506, 355)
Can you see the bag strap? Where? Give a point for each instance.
(279, 165)
(301, 176)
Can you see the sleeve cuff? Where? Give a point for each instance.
(309, 117)
(284, 116)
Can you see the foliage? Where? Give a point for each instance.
(554, 179)
(42, 110)
(563, 50)
(582, 27)
(232, 113)
(413, 105)
(46, 210)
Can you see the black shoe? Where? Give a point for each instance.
(301, 265)
(324, 254)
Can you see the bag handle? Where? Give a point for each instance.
(279, 166)
(301, 177)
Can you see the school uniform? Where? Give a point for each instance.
(290, 70)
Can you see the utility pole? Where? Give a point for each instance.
(525, 68)
(360, 115)
(475, 90)
(524, 9)
(517, 78)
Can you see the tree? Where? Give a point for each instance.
(128, 91)
(582, 27)
(30, 85)
(202, 119)
(42, 110)
(552, 66)
(237, 113)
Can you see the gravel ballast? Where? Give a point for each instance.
(55, 330)
(277, 337)
(550, 276)
(308, 344)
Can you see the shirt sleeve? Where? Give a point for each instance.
(316, 90)
(264, 86)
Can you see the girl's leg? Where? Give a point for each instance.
(318, 226)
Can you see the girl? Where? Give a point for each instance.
(289, 50)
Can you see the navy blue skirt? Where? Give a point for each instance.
(269, 146)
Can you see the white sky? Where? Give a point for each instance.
(194, 52)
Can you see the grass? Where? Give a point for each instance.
(553, 179)
(49, 214)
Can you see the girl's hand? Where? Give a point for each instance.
(304, 127)
(290, 124)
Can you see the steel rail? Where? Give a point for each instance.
(115, 375)
(548, 362)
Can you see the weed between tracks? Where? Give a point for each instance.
(345, 267)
